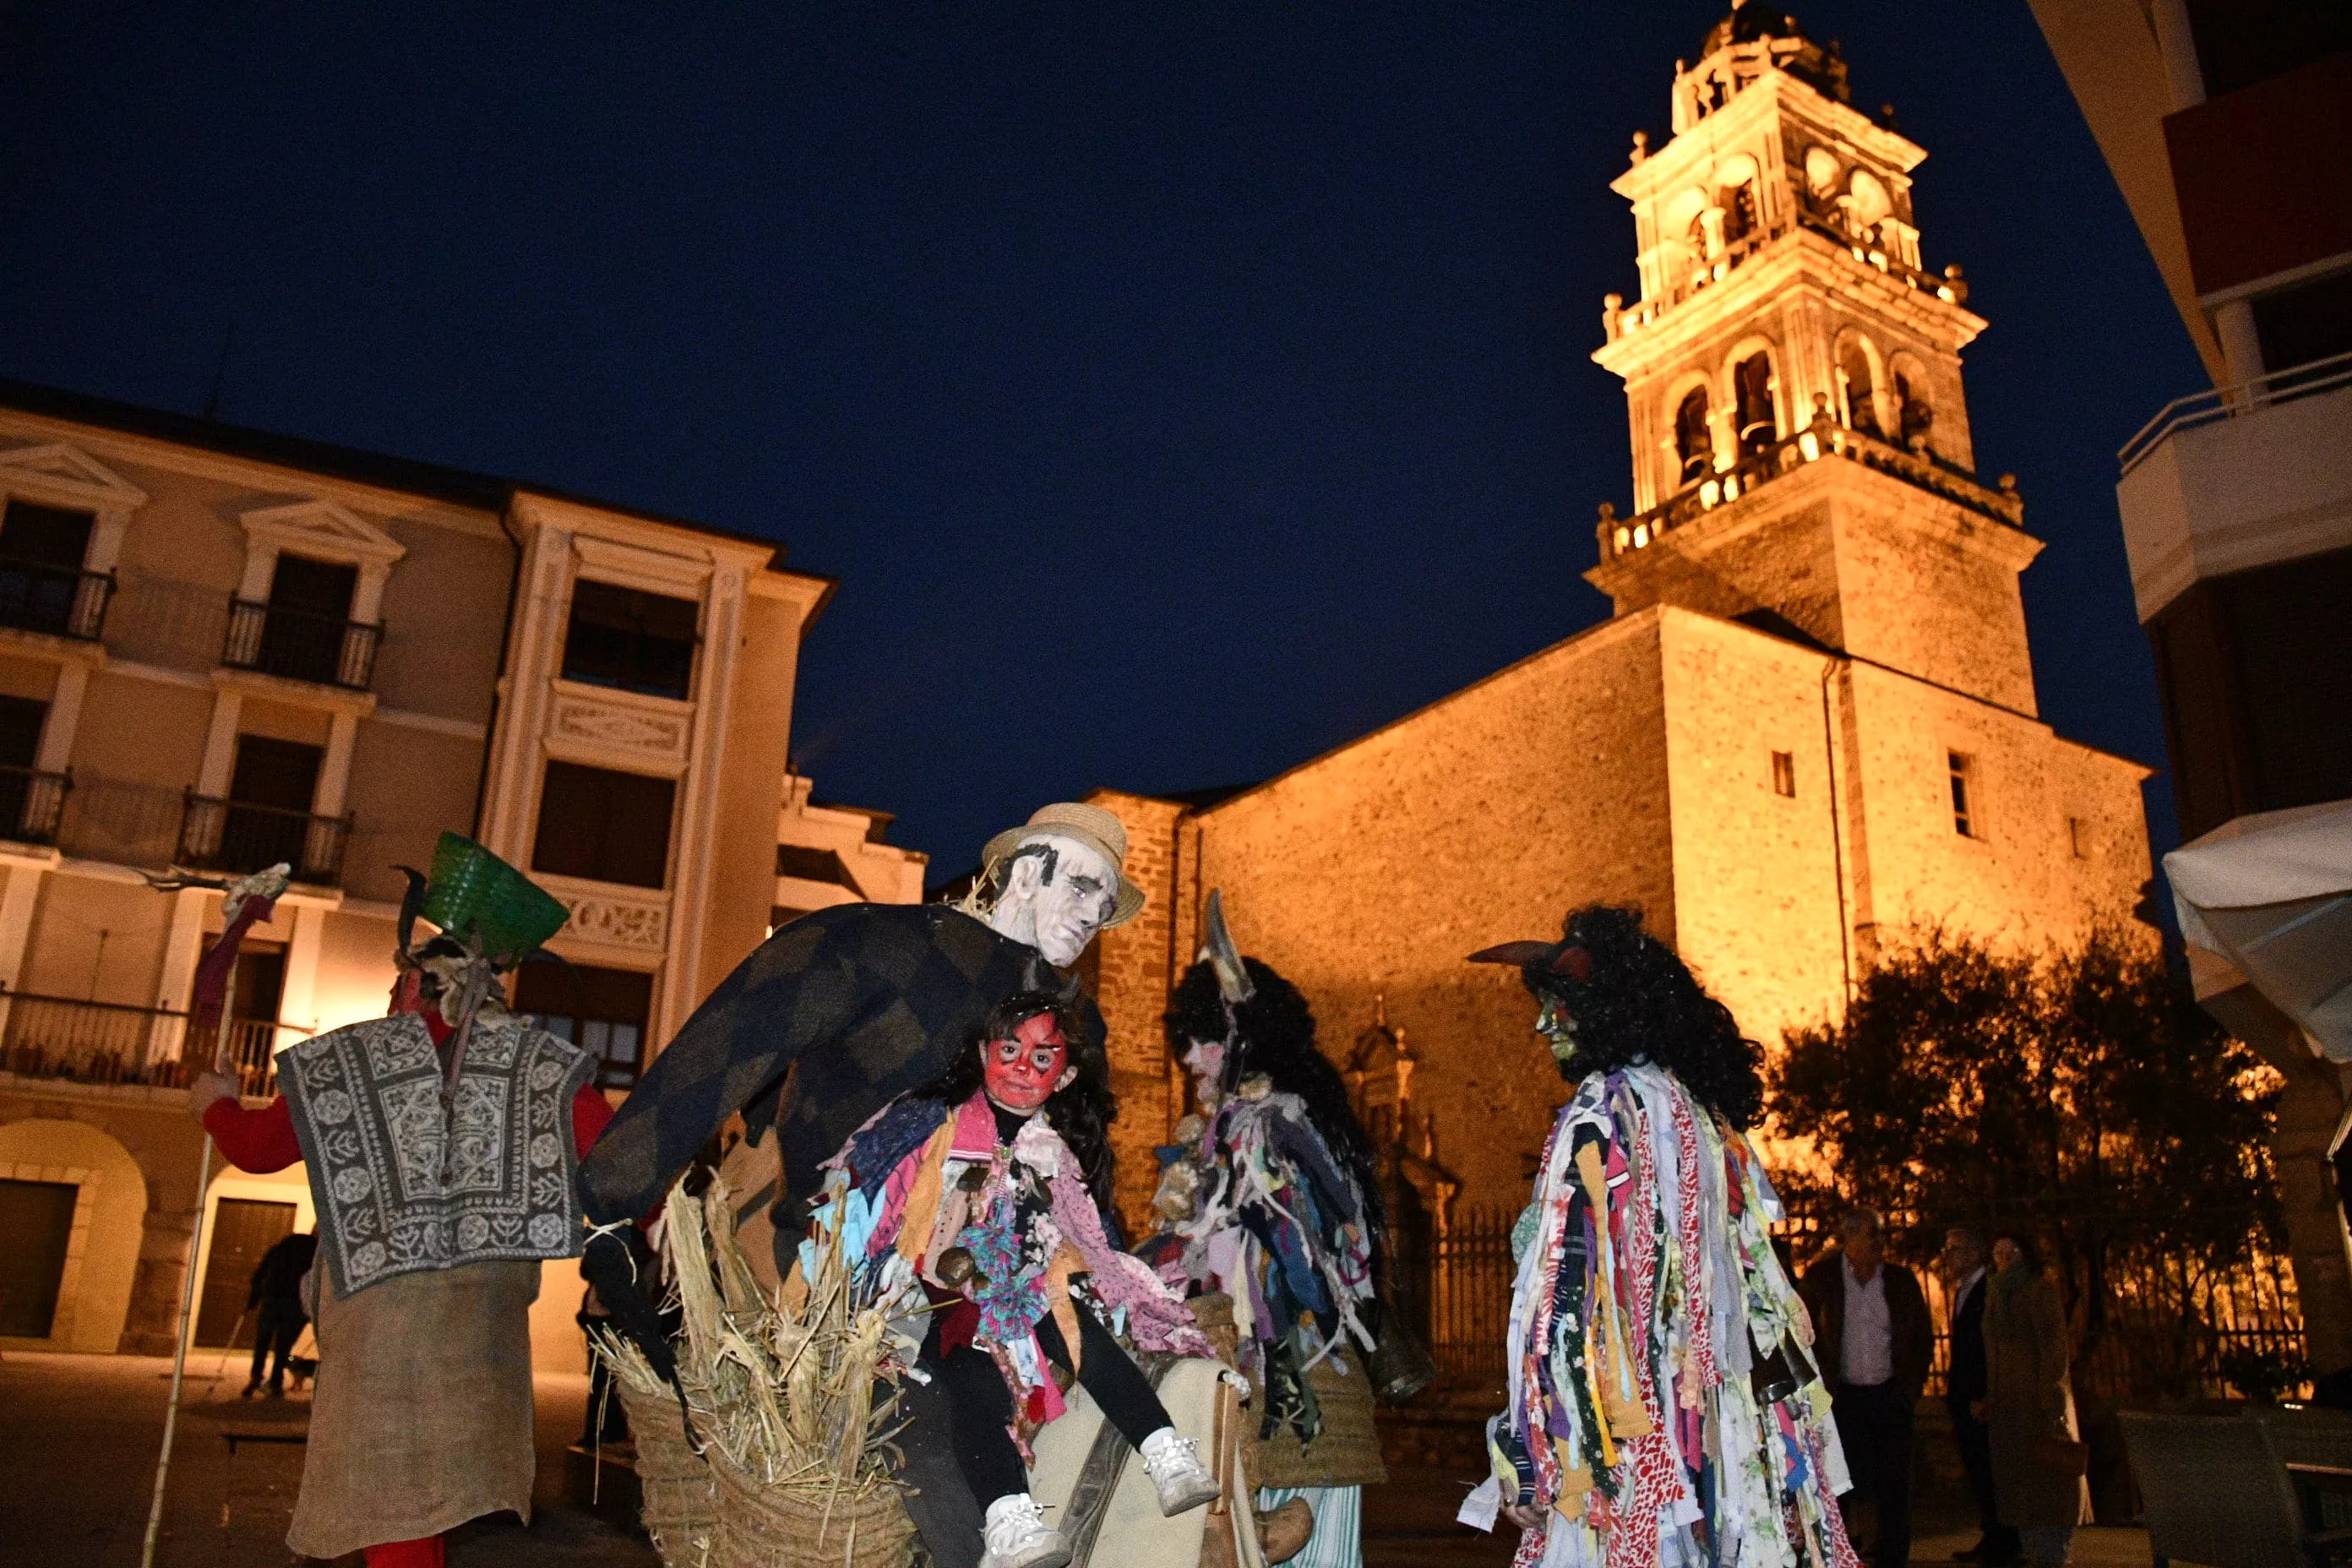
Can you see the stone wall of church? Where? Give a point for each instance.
(1371, 874)
(1132, 977)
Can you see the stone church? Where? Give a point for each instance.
(1808, 726)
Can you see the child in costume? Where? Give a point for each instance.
(1268, 1196)
(1665, 1409)
(985, 1187)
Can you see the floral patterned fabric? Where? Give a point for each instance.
(400, 1184)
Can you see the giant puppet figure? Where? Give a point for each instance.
(1269, 1197)
(442, 1143)
(1664, 1407)
(822, 1026)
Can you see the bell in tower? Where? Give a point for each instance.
(1800, 440)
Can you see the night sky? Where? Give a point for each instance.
(1174, 395)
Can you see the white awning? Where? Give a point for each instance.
(2272, 894)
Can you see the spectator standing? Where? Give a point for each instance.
(2025, 1405)
(275, 1299)
(1875, 1341)
(1964, 1393)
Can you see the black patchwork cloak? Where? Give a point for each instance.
(860, 1003)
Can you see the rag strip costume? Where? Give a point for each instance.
(1036, 1276)
(1664, 1409)
(442, 1155)
(1265, 1201)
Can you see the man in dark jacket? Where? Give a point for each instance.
(1964, 1392)
(1875, 1341)
(275, 1299)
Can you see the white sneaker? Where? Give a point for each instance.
(1174, 1463)
(1017, 1536)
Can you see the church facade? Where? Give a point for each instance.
(1808, 727)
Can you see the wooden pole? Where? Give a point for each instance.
(187, 1293)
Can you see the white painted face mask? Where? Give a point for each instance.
(1060, 916)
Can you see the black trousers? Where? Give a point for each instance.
(275, 1332)
(1875, 1426)
(1975, 1441)
(982, 1404)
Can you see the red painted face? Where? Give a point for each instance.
(1021, 1073)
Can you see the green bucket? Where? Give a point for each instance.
(471, 887)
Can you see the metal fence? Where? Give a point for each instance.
(2171, 1329)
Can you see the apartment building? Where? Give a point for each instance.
(221, 649)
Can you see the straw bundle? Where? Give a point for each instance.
(782, 1392)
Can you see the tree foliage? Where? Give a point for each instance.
(2078, 1098)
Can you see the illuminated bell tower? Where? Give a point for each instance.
(1801, 455)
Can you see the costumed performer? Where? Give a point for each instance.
(1665, 1407)
(825, 1023)
(986, 1185)
(442, 1143)
(1269, 1196)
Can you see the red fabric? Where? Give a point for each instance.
(428, 1553)
(256, 1141)
(263, 1140)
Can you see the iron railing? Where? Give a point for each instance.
(241, 838)
(2234, 401)
(82, 1041)
(59, 601)
(31, 803)
(301, 645)
(1824, 437)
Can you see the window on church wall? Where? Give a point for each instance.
(2078, 839)
(1784, 775)
(1739, 213)
(1967, 819)
(1752, 386)
(1866, 203)
(1692, 442)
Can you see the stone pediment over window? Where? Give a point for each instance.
(54, 471)
(323, 529)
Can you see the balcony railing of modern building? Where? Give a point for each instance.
(1619, 320)
(2235, 402)
(301, 645)
(240, 838)
(32, 803)
(80, 1041)
(56, 601)
(1824, 437)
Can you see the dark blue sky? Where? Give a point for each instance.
(1175, 391)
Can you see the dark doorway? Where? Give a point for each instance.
(36, 1224)
(309, 613)
(243, 1229)
(21, 718)
(41, 552)
(270, 790)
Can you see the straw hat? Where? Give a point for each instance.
(1091, 826)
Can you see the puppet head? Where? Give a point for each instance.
(1057, 882)
(1080, 1109)
(1022, 1070)
(1610, 995)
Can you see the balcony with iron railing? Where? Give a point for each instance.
(32, 803)
(1823, 439)
(55, 600)
(80, 1041)
(240, 838)
(301, 645)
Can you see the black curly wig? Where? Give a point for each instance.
(1082, 1114)
(1634, 1000)
(1275, 1032)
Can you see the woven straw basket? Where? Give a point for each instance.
(681, 1497)
(777, 1527)
(1346, 1453)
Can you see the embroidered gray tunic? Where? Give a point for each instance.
(366, 1104)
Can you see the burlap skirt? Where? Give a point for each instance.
(421, 1418)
